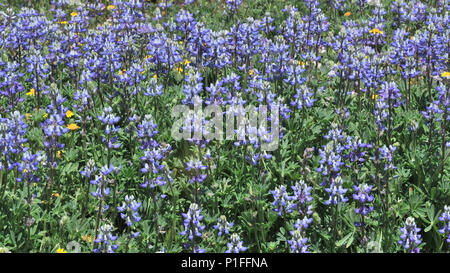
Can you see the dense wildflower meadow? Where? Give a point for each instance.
(224, 126)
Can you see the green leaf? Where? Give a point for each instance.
(345, 239)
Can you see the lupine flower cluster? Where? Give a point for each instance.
(299, 239)
(109, 120)
(105, 240)
(363, 197)
(235, 245)
(102, 181)
(445, 218)
(129, 212)
(86, 124)
(410, 238)
(193, 225)
(281, 200)
(223, 225)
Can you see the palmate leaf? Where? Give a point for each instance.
(347, 240)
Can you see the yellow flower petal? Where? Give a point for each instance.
(376, 31)
(73, 126)
(60, 153)
(69, 113)
(32, 92)
(348, 13)
(73, 14)
(61, 250)
(87, 237)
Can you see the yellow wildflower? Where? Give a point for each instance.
(445, 74)
(179, 69)
(61, 250)
(73, 126)
(186, 62)
(63, 22)
(60, 153)
(69, 113)
(28, 116)
(86, 238)
(32, 92)
(374, 96)
(25, 171)
(251, 72)
(45, 115)
(376, 31)
(55, 194)
(110, 7)
(348, 13)
(73, 14)
(148, 57)
(155, 76)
